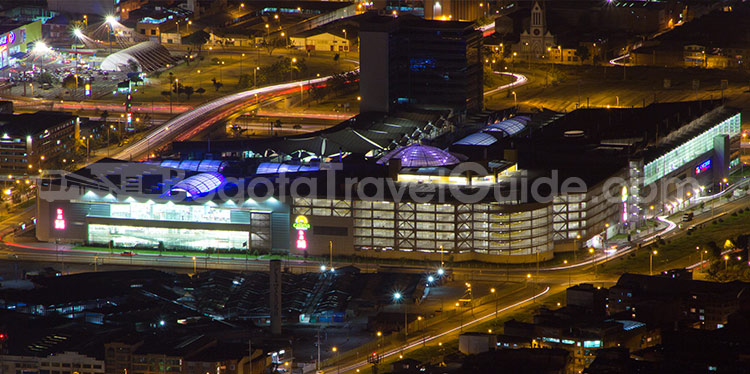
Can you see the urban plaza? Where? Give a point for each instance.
(430, 207)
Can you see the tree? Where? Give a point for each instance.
(188, 91)
(166, 94)
(69, 81)
(134, 66)
(271, 44)
(714, 249)
(197, 39)
(200, 91)
(244, 81)
(217, 85)
(582, 52)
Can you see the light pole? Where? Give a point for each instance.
(397, 298)
(565, 262)
(241, 58)
(651, 262)
(726, 262)
(110, 21)
(492, 291)
(593, 257)
(255, 76)
(291, 68)
(575, 248)
(346, 47)
(515, 100)
(195, 266)
(336, 351)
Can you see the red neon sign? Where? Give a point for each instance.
(59, 220)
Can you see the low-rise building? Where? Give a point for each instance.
(314, 40)
(66, 362)
(665, 300)
(28, 140)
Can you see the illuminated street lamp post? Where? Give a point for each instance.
(726, 262)
(492, 291)
(569, 270)
(651, 262)
(336, 351)
(195, 266)
(397, 298)
(110, 20)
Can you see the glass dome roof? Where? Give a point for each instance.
(510, 126)
(477, 138)
(199, 184)
(418, 155)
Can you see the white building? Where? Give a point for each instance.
(57, 363)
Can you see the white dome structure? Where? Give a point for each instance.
(148, 56)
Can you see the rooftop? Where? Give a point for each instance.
(32, 123)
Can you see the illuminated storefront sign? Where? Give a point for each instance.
(8, 38)
(59, 220)
(703, 167)
(301, 225)
(624, 198)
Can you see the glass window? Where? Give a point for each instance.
(178, 238)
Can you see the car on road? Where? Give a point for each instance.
(127, 253)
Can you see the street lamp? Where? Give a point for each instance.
(492, 291)
(651, 262)
(565, 262)
(110, 20)
(515, 99)
(397, 298)
(195, 266)
(726, 260)
(336, 350)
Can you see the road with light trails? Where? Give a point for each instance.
(192, 122)
(520, 81)
(452, 329)
(42, 251)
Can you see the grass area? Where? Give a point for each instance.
(229, 73)
(729, 227)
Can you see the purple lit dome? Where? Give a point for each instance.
(418, 155)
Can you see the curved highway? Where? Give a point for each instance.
(201, 117)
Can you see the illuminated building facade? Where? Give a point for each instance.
(26, 140)
(424, 213)
(455, 10)
(409, 61)
(15, 40)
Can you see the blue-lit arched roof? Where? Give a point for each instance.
(198, 185)
(195, 165)
(418, 155)
(510, 126)
(275, 167)
(477, 138)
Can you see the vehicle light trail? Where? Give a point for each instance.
(202, 114)
(426, 339)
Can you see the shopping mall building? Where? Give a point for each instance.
(512, 189)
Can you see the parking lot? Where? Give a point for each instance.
(59, 76)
